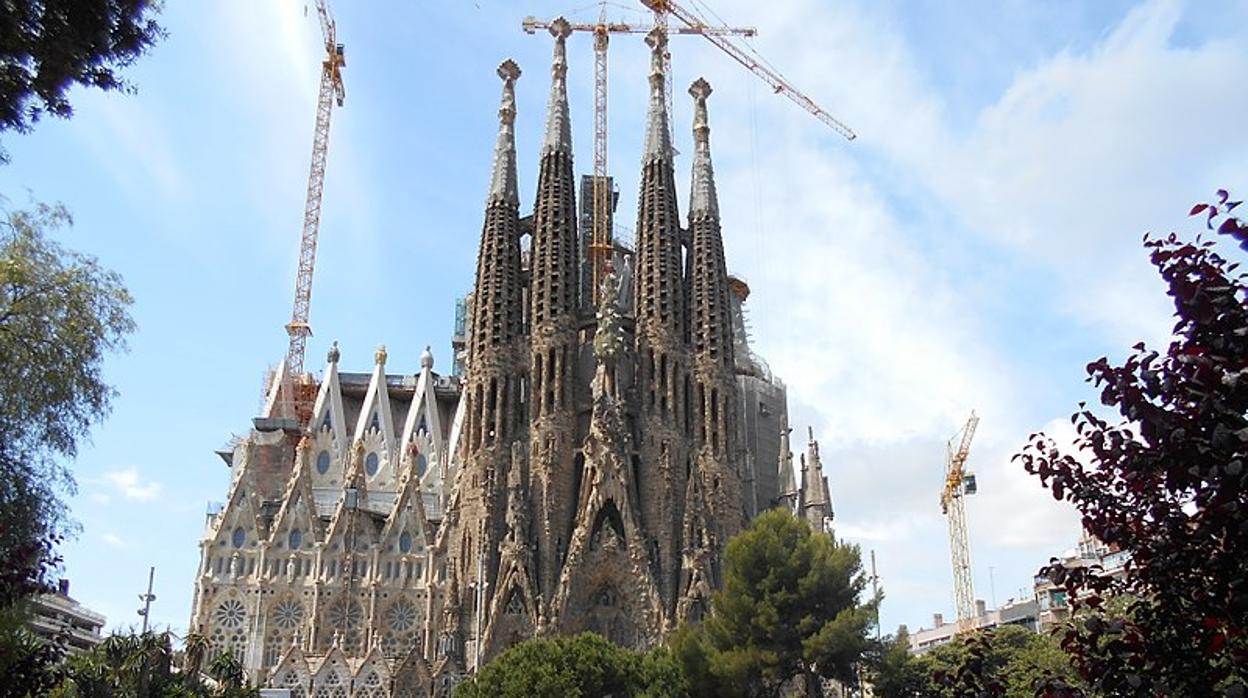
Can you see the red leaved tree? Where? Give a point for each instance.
(1167, 482)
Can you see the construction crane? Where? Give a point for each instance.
(331, 92)
(958, 483)
(601, 245)
(663, 8)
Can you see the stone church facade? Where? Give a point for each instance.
(584, 473)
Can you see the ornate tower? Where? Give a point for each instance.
(713, 503)
(663, 382)
(474, 526)
(553, 352)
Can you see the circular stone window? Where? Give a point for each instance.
(422, 463)
(296, 538)
(322, 462)
(240, 537)
(405, 542)
(230, 614)
(288, 614)
(371, 464)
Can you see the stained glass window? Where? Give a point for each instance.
(322, 462)
(240, 537)
(296, 538)
(371, 463)
(405, 542)
(422, 463)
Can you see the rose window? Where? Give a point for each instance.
(230, 614)
(401, 616)
(288, 614)
(345, 614)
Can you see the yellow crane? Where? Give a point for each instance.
(298, 328)
(601, 244)
(960, 482)
(746, 57)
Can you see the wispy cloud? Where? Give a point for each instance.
(130, 485)
(113, 540)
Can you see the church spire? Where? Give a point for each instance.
(558, 123)
(703, 200)
(503, 187)
(816, 504)
(497, 318)
(658, 135)
(554, 305)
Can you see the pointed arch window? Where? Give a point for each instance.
(422, 464)
(322, 462)
(375, 423)
(296, 538)
(240, 537)
(328, 422)
(405, 542)
(371, 463)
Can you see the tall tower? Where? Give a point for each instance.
(474, 524)
(713, 503)
(663, 380)
(553, 310)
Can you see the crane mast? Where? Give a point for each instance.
(959, 483)
(600, 242)
(331, 93)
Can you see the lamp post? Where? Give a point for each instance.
(147, 598)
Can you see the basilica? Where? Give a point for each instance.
(580, 468)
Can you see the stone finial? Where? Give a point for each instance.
(700, 89)
(560, 29)
(509, 71)
(426, 358)
(334, 354)
(379, 356)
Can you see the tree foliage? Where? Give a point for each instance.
(146, 665)
(1007, 662)
(894, 673)
(567, 667)
(790, 609)
(47, 46)
(61, 313)
(1166, 482)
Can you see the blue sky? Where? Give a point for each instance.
(975, 247)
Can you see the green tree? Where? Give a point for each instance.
(894, 673)
(61, 313)
(570, 667)
(144, 666)
(1009, 662)
(790, 609)
(47, 46)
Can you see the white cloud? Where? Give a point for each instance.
(113, 540)
(130, 485)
